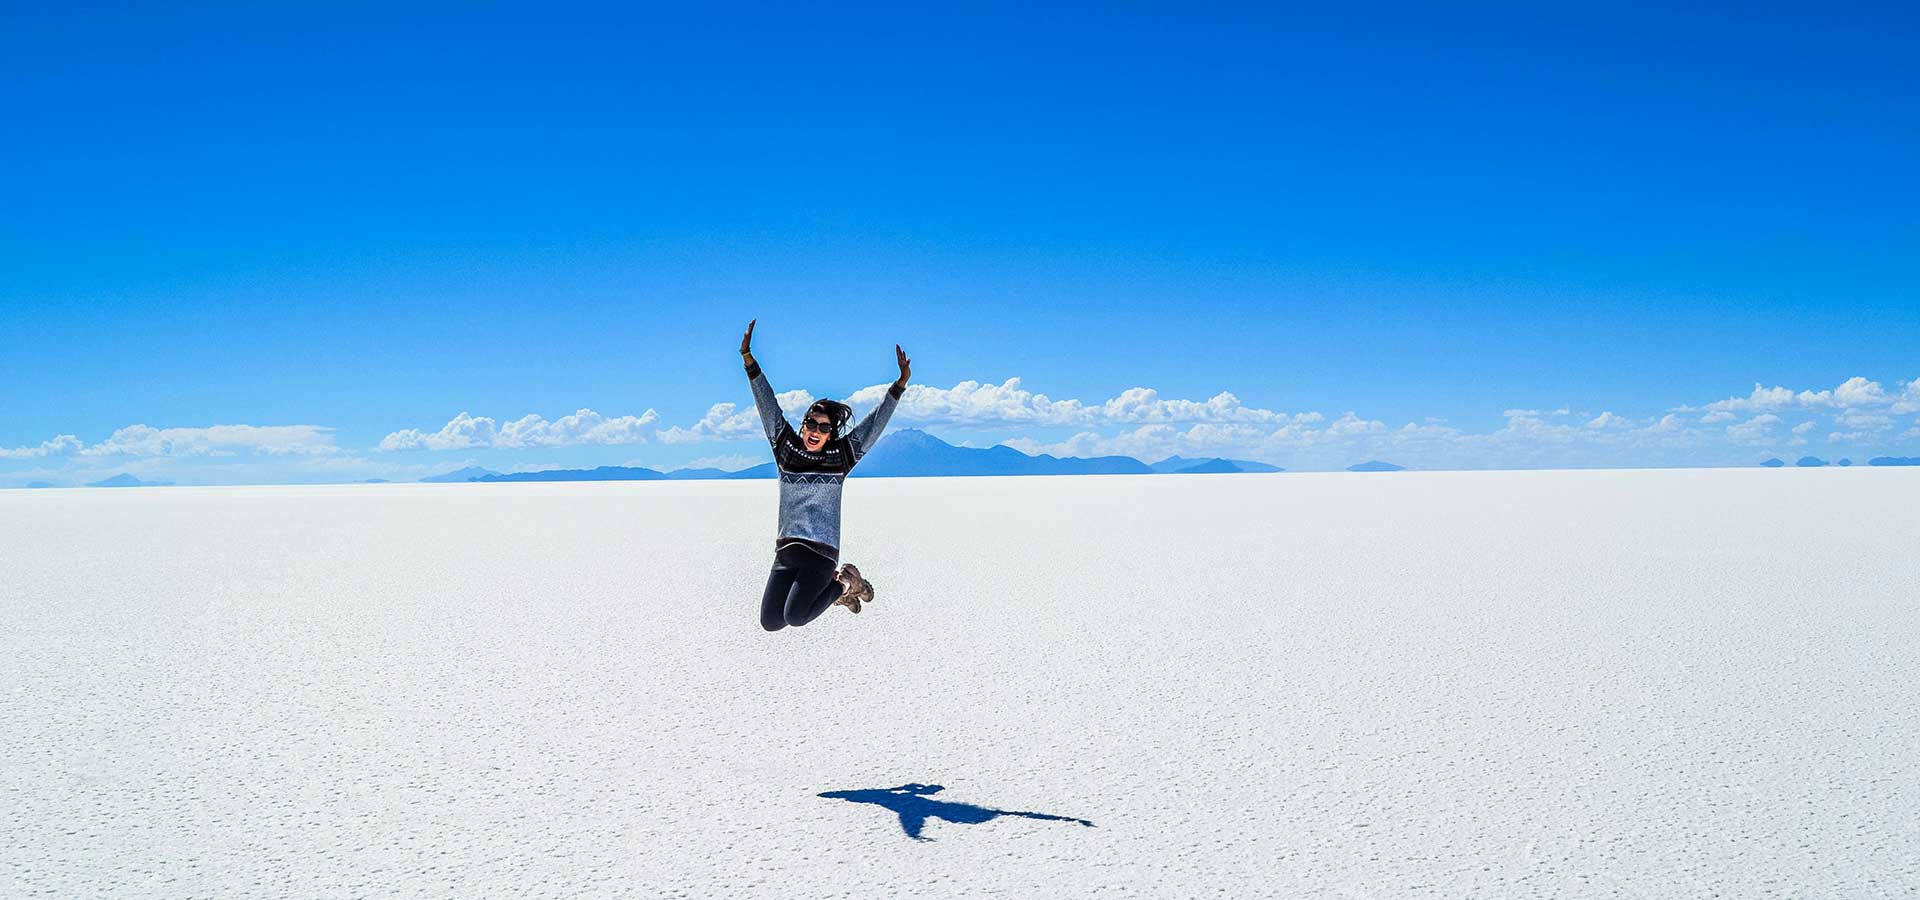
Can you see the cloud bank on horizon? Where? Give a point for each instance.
(1858, 416)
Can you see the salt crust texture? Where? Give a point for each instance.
(1669, 684)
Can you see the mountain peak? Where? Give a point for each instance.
(1374, 465)
(125, 479)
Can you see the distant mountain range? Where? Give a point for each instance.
(1176, 465)
(1815, 462)
(908, 453)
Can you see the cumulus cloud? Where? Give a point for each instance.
(1855, 392)
(1860, 420)
(1909, 399)
(1726, 432)
(216, 440)
(584, 426)
(1754, 431)
(723, 421)
(63, 445)
(974, 403)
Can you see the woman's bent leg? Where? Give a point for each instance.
(773, 601)
(814, 589)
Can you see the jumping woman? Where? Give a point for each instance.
(813, 466)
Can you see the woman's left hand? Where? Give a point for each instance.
(904, 362)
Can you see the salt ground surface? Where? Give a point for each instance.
(1668, 684)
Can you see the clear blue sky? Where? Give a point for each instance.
(367, 221)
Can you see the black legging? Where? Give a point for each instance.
(800, 588)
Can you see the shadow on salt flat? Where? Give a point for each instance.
(910, 803)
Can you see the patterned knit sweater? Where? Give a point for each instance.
(810, 482)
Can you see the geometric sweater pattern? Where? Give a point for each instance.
(810, 483)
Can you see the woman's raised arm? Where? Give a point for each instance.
(771, 419)
(868, 431)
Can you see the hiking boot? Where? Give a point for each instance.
(858, 590)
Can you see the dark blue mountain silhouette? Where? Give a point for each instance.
(1894, 461)
(126, 480)
(603, 473)
(1194, 466)
(1810, 462)
(1210, 467)
(1374, 465)
(1773, 463)
(910, 453)
(467, 474)
(910, 803)
(1844, 462)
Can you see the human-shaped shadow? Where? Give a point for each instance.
(910, 802)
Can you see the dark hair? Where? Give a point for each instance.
(838, 413)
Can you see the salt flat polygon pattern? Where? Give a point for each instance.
(1670, 684)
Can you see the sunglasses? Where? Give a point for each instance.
(820, 425)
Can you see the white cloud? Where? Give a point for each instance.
(1609, 420)
(723, 421)
(1857, 391)
(584, 426)
(1755, 431)
(1909, 400)
(1854, 392)
(1864, 421)
(63, 445)
(216, 440)
(1351, 424)
(1145, 405)
(463, 431)
(728, 421)
(974, 403)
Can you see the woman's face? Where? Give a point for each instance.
(814, 430)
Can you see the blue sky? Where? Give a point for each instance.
(323, 231)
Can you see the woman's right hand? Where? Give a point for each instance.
(746, 341)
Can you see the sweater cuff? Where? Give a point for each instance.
(753, 371)
(896, 390)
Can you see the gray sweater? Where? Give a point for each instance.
(810, 482)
